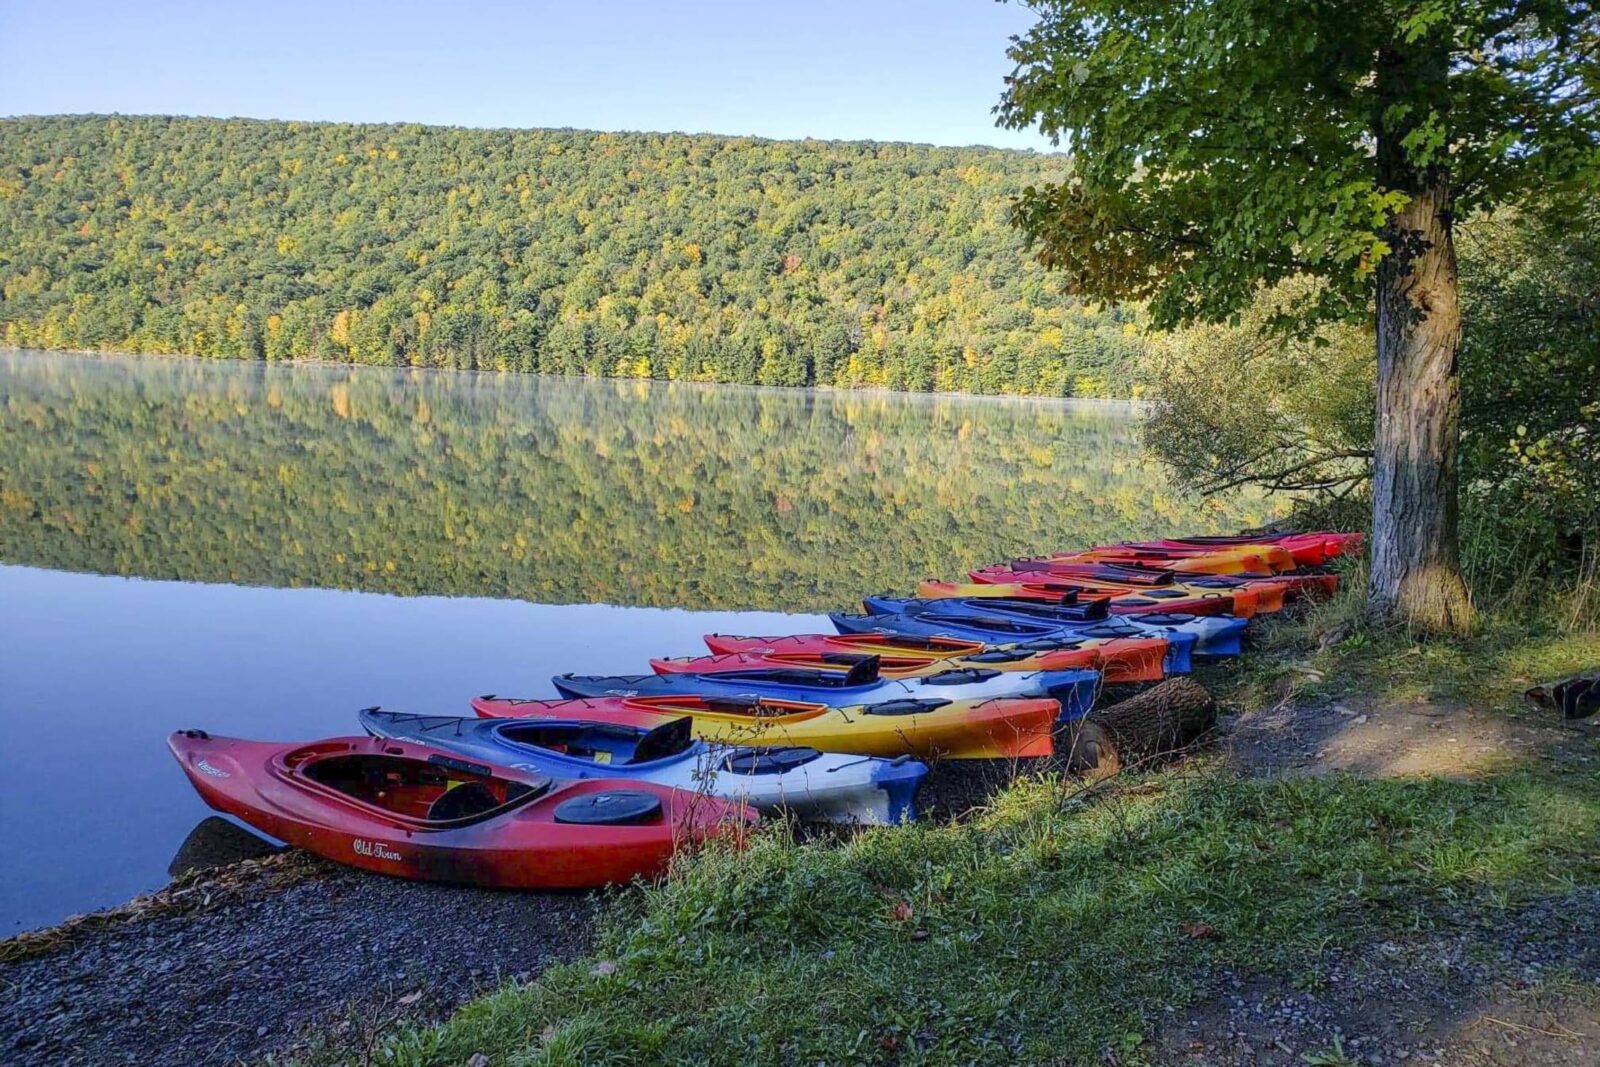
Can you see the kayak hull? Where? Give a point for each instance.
(264, 784)
(1237, 559)
(825, 787)
(1075, 689)
(1271, 590)
(1005, 631)
(1242, 602)
(1119, 659)
(993, 729)
(1215, 635)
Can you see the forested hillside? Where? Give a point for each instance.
(642, 255)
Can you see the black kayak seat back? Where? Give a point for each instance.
(462, 802)
(668, 739)
(863, 672)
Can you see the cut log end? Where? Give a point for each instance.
(1145, 729)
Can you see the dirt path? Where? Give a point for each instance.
(1483, 987)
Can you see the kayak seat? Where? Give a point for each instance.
(462, 802)
(668, 739)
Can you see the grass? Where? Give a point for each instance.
(1064, 926)
(1332, 653)
(1049, 929)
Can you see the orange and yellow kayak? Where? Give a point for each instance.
(991, 729)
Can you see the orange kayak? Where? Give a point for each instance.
(1309, 549)
(1118, 659)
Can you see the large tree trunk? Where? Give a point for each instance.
(1416, 569)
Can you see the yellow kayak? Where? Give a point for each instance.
(991, 729)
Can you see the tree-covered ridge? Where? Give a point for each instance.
(688, 257)
(553, 490)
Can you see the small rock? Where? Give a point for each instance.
(603, 969)
(478, 1059)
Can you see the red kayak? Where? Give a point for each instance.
(418, 812)
(1119, 659)
(891, 666)
(1309, 549)
(1223, 559)
(1271, 589)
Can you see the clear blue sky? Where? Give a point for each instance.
(907, 70)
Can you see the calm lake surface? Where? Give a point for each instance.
(261, 550)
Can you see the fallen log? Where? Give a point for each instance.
(1145, 729)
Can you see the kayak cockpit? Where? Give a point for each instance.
(606, 744)
(437, 790)
(854, 673)
(939, 646)
(736, 708)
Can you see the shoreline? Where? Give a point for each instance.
(1134, 404)
(290, 954)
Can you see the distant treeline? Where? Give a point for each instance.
(558, 251)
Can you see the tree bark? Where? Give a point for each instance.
(1416, 565)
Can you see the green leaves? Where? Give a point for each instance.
(1221, 145)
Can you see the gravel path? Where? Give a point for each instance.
(253, 972)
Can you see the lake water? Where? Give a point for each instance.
(261, 550)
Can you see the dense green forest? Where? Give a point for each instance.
(553, 490)
(672, 256)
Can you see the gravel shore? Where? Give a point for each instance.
(265, 964)
(261, 957)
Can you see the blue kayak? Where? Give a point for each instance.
(1005, 630)
(861, 684)
(1215, 635)
(825, 786)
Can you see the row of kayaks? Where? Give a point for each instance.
(610, 780)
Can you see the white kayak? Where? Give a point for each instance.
(815, 786)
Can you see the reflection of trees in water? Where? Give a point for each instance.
(554, 490)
